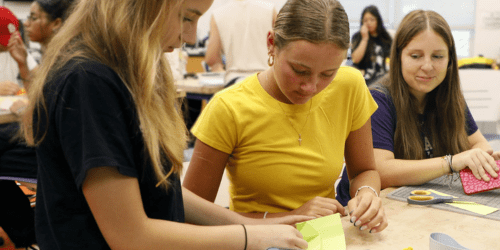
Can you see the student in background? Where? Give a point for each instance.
(16, 159)
(45, 19)
(279, 132)
(423, 129)
(110, 140)
(238, 30)
(371, 45)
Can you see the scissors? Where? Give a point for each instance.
(422, 197)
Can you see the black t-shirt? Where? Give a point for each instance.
(373, 62)
(91, 122)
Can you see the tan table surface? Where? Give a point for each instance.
(6, 116)
(192, 86)
(412, 225)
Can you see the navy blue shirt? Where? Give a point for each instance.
(91, 122)
(384, 122)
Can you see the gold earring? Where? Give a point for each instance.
(270, 60)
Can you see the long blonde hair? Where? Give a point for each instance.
(126, 35)
(445, 105)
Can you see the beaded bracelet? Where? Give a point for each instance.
(366, 187)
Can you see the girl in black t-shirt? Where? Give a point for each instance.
(110, 140)
(371, 45)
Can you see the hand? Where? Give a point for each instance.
(365, 35)
(281, 236)
(17, 49)
(478, 161)
(18, 107)
(367, 212)
(496, 155)
(8, 88)
(319, 207)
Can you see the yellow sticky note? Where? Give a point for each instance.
(323, 233)
(474, 207)
(439, 193)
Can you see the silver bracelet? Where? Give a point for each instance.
(366, 187)
(449, 160)
(265, 215)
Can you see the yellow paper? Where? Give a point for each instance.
(439, 193)
(324, 233)
(474, 207)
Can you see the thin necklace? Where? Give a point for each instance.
(290, 121)
(307, 117)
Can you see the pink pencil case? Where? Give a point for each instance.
(473, 186)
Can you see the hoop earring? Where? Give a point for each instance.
(270, 60)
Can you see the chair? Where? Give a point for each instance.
(28, 185)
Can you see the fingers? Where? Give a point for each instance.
(367, 213)
(483, 163)
(320, 206)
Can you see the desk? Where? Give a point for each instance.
(196, 91)
(412, 225)
(5, 115)
(409, 226)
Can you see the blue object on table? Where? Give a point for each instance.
(422, 197)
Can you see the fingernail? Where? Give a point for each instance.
(357, 223)
(363, 228)
(373, 230)
(353, 219)
(351, 212)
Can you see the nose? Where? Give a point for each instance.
(427, 66)
(189, 33)
(310, 86)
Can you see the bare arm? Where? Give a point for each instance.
(213, 56)
(365, 207)
(477, 140)
(112, 197)
(397, 172)
(205, 171)
(358, 54)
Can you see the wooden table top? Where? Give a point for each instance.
(412, 225)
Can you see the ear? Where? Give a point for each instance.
(56, 24)
(270, 42)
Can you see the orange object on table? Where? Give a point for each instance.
(22, 91)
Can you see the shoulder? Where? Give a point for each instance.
(349, 75)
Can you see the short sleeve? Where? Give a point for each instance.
(92, 119)
(364, 105)
(216, 126)
(471, 125)
(383, 122)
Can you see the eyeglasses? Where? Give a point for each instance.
(32, 18)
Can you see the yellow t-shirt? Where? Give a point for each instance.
(268, 169)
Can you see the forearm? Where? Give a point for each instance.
(369, 178)
(157, 234)
(202, 212)
(217, 67)
(484, 146)
(359, 52)
(24, 74)
(396, 172)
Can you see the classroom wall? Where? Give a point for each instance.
(486, 38)
(487, 29)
